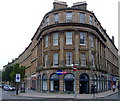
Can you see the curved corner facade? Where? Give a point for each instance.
(67, 38)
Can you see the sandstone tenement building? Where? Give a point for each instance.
(69, 36)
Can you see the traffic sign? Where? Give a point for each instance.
(59, 72)
(74, 68)
(17, 77)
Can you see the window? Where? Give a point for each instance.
(44, 82)
(82, 17)
(92, 60)
(46, 59)
(56, 17)
(47, 20)
(91, 20)
(55, 59)
(55, 39)
(68, 16)
(92, 40)
(82, 38)
(83, 59)
(46, 41)
(68, 58)
(68, 37)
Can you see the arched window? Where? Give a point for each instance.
(39, 82)
(44, 82)
(54, 82)
(84, 83)
(69, 82)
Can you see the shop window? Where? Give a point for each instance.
(54, 83)
(44, 82)
(69, 85)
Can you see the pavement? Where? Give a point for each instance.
(37, 94)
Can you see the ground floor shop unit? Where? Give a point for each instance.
(49, 81)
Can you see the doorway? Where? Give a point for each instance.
(54, 82)
(84, 84)
(69, 83)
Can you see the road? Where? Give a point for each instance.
(11, 96)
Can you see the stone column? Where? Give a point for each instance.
(48, 85)
(76, 48)
(61, 84)
(61, 56)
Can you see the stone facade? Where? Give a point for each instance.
(67, 37)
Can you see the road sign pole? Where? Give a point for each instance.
(17, 82)
(75, 85)
(17, 88)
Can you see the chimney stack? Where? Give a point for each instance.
(59, 4)
(81, 5)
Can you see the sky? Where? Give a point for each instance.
(19, 20)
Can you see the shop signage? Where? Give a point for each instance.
(59, 72)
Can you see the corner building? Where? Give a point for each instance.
(67, 37)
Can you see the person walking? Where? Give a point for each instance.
(93, 90)
(113, 87)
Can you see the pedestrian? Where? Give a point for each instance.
(113, 87)
(118, 87)
(93, 89)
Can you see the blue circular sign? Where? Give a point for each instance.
(59, 72)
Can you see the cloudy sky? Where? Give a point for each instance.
(19, 20)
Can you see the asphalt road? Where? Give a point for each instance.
(11, 96)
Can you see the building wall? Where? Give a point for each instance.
(105, 53)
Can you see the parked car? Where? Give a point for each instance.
(0, 85)
(9, 88)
